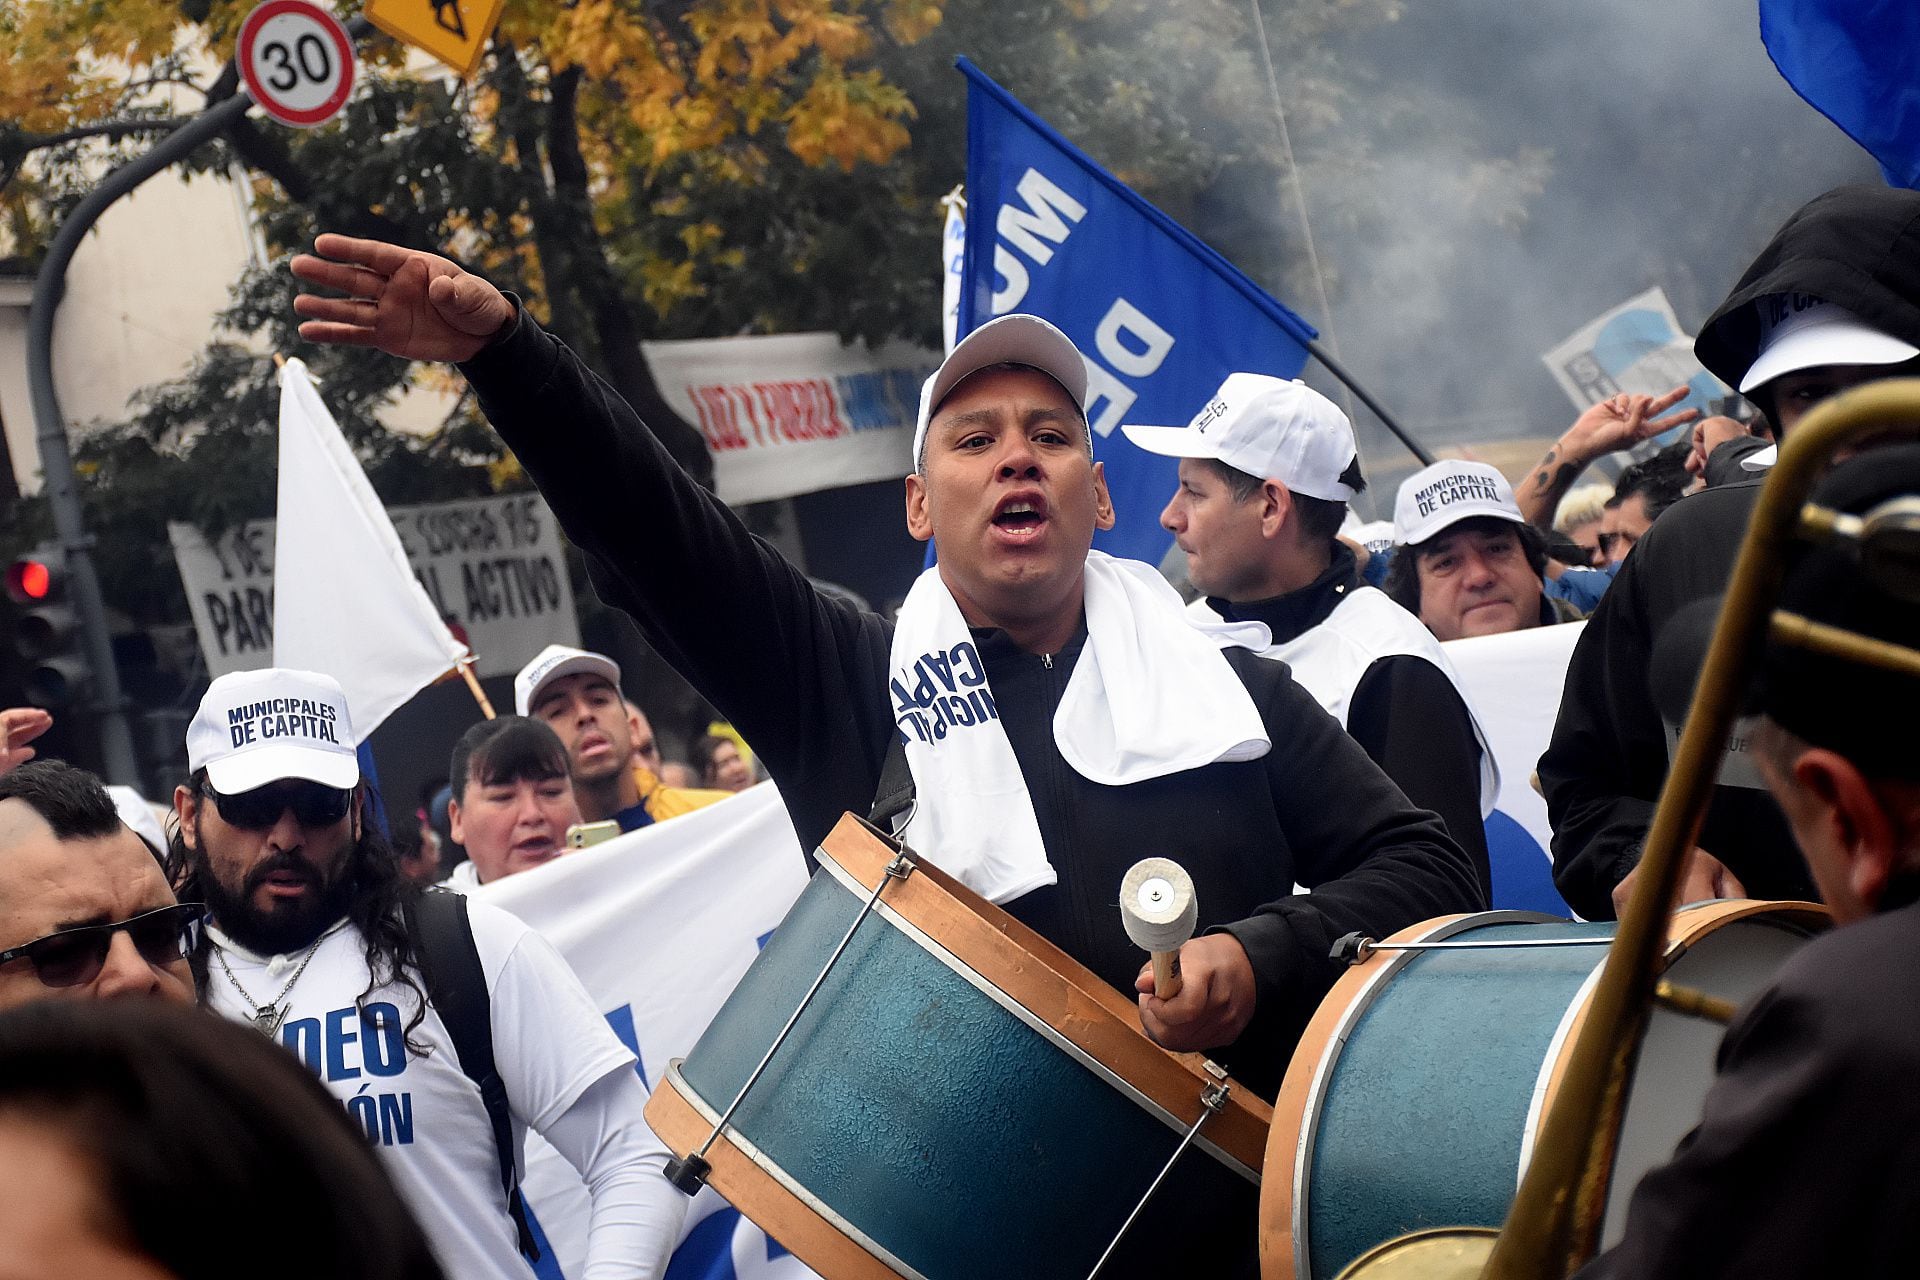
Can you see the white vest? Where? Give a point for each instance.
(1329, 659)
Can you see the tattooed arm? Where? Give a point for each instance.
(1618, 422)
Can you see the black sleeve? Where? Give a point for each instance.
(803, 677)
(1723, 464)
(1408, 716)
(1370, 860)
(1602, 770)
(1803, 1163)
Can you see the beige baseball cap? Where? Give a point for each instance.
(1010, 339)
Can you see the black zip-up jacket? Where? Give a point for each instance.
(1803, 1163)
(1404, 711)
(1857, 247)
(1603, 770)
(804, 678)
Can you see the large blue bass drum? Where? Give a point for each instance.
(958, 1099)
(1417, 1092)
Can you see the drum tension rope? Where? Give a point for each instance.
(689, 1174)
(1212, 1099)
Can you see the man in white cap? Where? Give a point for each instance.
(1267, 468)
(1831, 302)
(611, 751)
(1466, 561)
(314, 939)
(1050, 710)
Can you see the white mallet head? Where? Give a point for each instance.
(1157, 904)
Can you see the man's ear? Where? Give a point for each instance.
(455, 828)
(186, 806)
(1276, 504)
(1103, 517)
(1859, 828)
(919, 521)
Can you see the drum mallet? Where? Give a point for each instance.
(1158, 907)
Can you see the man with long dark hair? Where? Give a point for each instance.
(311, 938)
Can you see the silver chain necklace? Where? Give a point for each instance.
(267, 1018)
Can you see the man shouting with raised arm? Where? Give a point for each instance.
(1058, 716)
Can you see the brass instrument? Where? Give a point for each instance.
(1554, 1225)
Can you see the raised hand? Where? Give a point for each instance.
(407, 303)
(1618, 422)
(18, 727)
(1709, 434)
(1622, 421)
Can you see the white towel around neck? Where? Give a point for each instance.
(1150, 695)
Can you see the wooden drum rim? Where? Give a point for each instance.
(1318, 1049)
(1313, 1058)
(1055, 988)
(801, 1229)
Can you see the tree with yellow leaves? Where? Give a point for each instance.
(525, 173)
(638, 169)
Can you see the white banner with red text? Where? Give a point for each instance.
(795, 413)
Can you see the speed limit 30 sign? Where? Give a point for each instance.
(296, 61)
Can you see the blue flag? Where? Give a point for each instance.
(1161, 318)
(1857, 62)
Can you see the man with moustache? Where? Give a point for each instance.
(313, 938)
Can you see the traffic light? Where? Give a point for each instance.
(46, 631)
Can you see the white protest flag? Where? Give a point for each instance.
(345, 600)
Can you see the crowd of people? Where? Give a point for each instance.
(1035, 718)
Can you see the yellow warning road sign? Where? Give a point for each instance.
(454, 31)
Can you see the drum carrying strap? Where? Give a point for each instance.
(893, 798)
(457, 989)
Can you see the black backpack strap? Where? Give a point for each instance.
(457, 988)
(893, 799)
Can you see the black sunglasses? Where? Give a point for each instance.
(74, 957)
(313, 805)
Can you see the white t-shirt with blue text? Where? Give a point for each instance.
(421, 1111)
